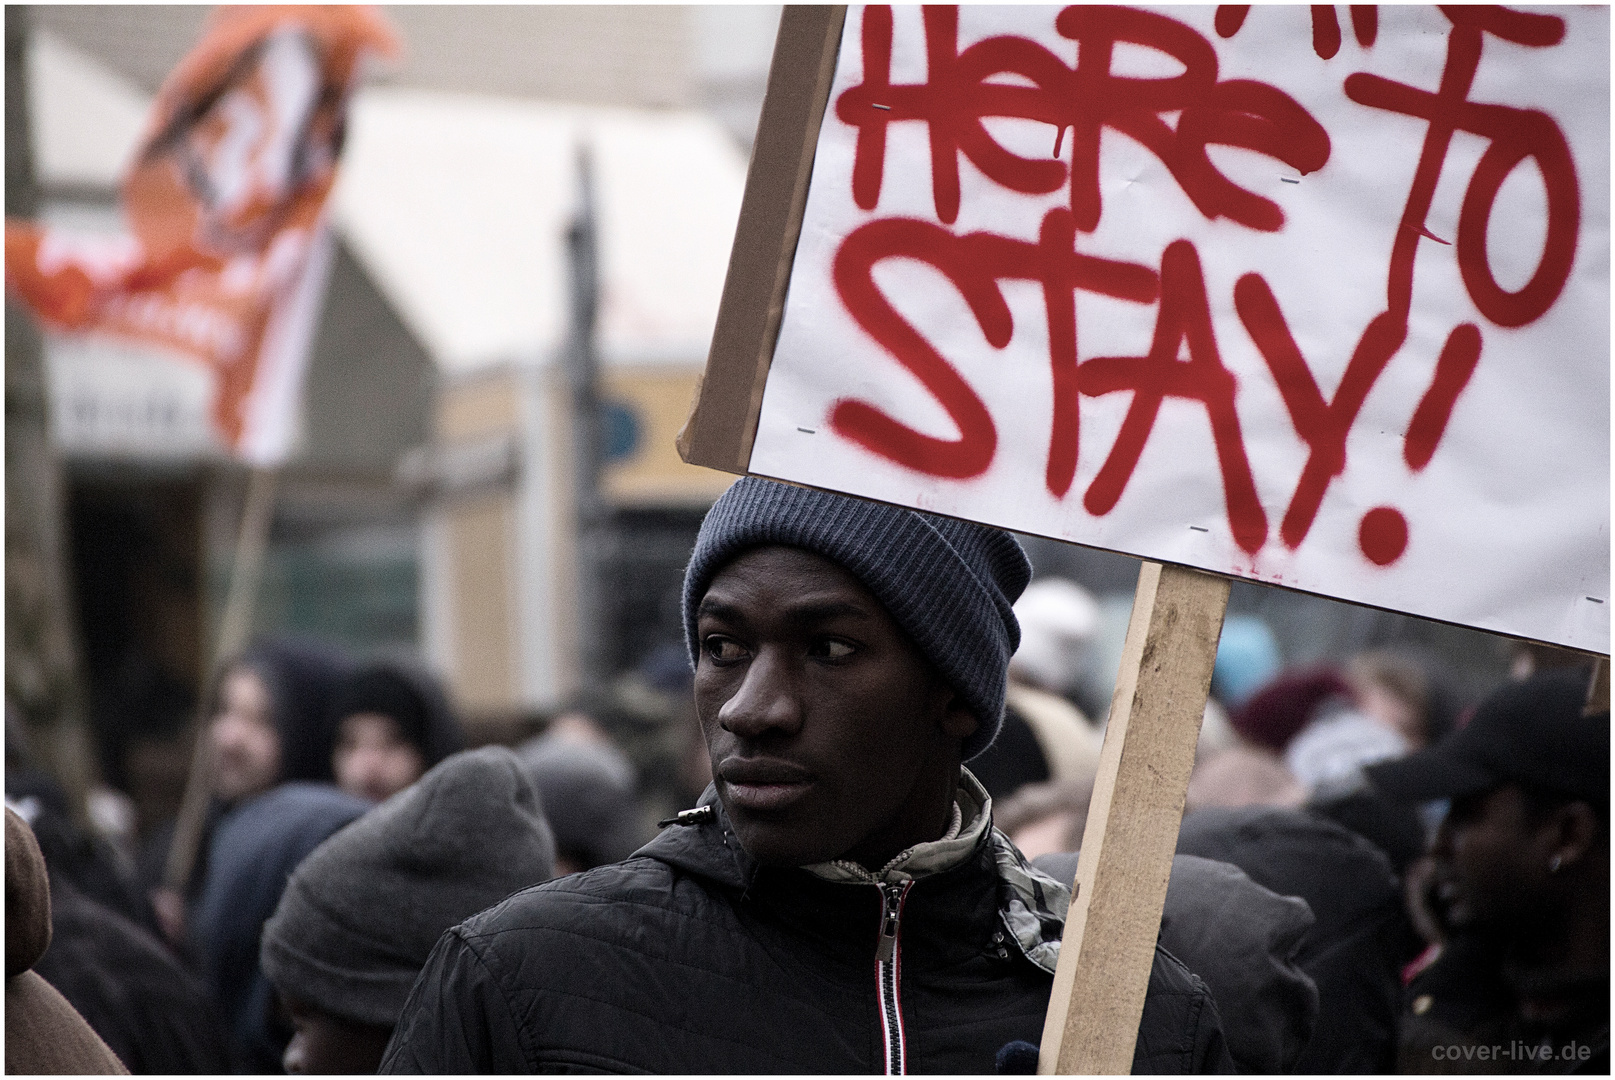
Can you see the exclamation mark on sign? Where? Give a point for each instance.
(1453, 369)
(1383, 534)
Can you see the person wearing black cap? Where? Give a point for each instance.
(838, 900)
(1520, 886)
(392, 724)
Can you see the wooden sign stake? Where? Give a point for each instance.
(1133, 821)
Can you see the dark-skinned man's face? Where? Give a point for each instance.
(830, 735)
(1491, 858)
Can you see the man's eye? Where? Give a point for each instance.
(831, 649)
(724, 650)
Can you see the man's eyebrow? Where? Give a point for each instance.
(717, 609)
(825, 610)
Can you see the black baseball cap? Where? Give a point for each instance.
(1530, 733)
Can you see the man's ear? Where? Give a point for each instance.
(954, 718)
(958, 721)
(1578, 830)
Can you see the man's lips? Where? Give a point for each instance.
(762, 785)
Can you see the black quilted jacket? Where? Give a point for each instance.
(691, 958)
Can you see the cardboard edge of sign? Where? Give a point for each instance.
(723, 418)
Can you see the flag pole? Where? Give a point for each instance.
(593, 530)
(246, 570)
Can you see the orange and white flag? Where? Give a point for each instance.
(228, 249)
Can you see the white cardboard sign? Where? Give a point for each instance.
(1312, 302)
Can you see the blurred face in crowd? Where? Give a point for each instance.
(830, 735)
(1495, 856)
(1385, 705)
(372, 759)
(246, 745)
(327, 1044)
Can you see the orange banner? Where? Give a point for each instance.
(225, 203)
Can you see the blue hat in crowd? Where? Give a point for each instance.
(948, 584)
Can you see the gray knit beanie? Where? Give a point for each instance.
(588, 793)
(360, 915)
(948, 583)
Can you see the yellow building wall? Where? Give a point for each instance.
(654, 475)
(484, 545)
(481, 534)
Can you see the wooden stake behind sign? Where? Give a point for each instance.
(1133, 821)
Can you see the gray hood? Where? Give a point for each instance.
(1242, 939)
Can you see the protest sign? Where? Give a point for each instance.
(226, 257)
(1315, 305)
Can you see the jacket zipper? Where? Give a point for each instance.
(888, 965)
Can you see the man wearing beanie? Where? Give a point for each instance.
(361, 913)
(838, 900)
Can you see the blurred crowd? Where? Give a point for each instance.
(1356, 901)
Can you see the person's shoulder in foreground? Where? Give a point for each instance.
(839, 900)
(44, 1034)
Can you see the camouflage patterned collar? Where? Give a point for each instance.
(1033, 904)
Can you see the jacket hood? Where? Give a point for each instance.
(302, 679)
(1361, 938)
(1243, 940)
(702, 841)
(254, 849)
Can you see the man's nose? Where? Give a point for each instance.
(768, 699)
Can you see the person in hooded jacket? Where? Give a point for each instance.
(392, 724)
(1244, 941)
(270, 721)
(838, 901)
(272, 736)
(1356, 948)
